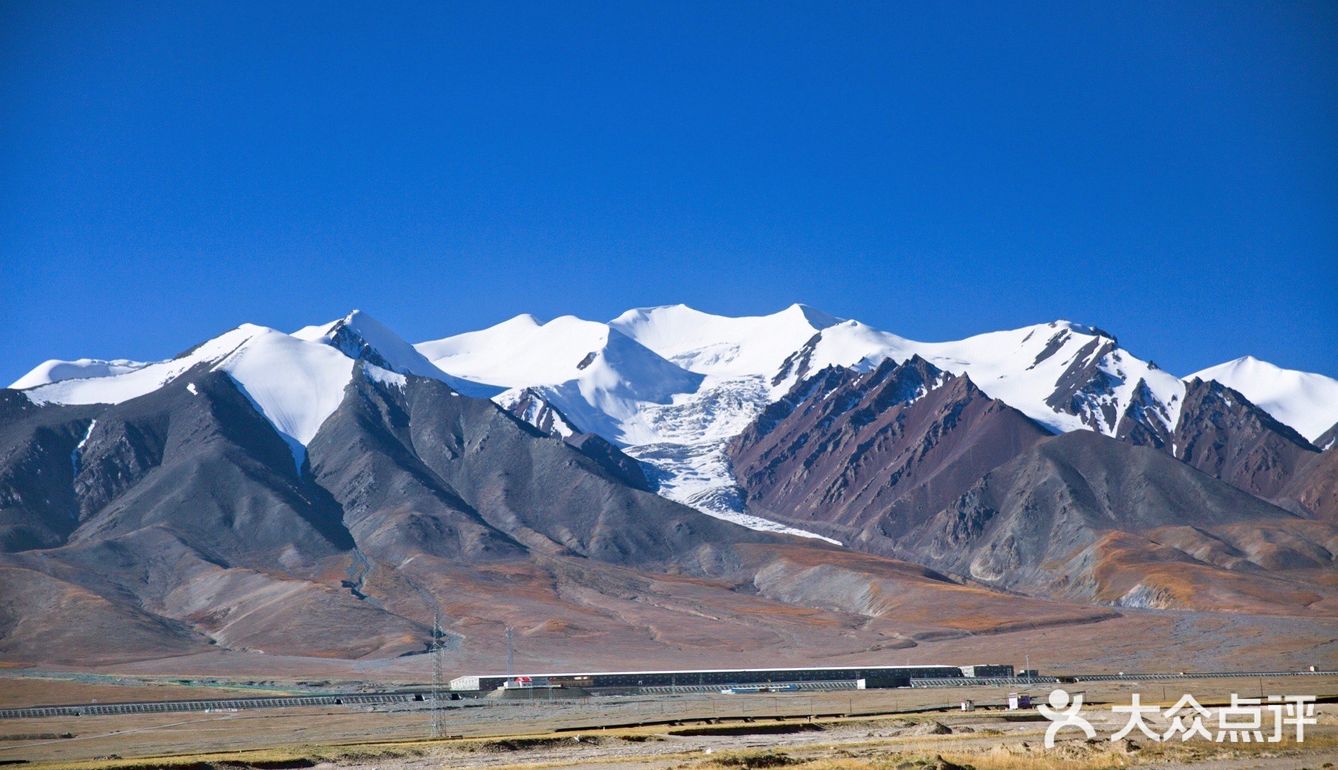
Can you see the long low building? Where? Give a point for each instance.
(873, 676)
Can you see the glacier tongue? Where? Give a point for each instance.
(698, 476)
(688, 455)
(679, 437)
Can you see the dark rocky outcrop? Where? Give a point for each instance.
(864, 457)
(1224, 435)
(531, 407)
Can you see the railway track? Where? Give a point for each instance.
(226, 704)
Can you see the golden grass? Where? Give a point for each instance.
(1074, 755)
(871, 755)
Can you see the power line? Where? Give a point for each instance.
(438, 675)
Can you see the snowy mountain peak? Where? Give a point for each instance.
(519, 351)
(356, 318)
(606, 383)
(1079, 328)
(361, 336)
(295, 380)
(653, 310)
(719, 345)
(1305, 401)
(1248, 364)
(522, 319)
(55, 370)
(815, 317)
(1065, 375)
(117, 386)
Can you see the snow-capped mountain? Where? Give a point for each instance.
(669, 385)
(602, 380)
(721, 345)
(359, 335)
(295, 380)
(1307, 402)
(519, 351)
(331, 490)
(725, 370)
(672, 385)
(1065, 376)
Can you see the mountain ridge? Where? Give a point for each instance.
(670, 385)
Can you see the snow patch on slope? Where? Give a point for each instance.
(294, 383)
(530, 405)
(385, 377)
(76, 456)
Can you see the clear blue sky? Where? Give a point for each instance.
(1167, 171)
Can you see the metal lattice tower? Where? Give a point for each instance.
(510, 655)
(438, 675)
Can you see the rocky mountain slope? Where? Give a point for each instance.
(1084, 516)
(1226, 436)
(863, 457)
(909, 461)
(1306, 402)
(327, 492)
(1314, 487)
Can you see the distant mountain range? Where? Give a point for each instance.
(327, 492)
